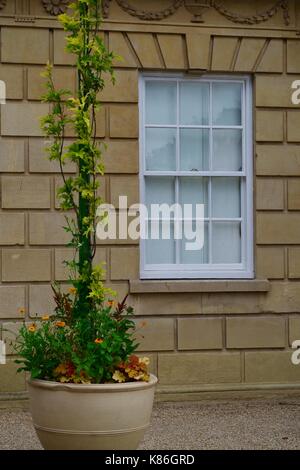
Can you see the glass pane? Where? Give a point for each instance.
(159, 190)
(160, 149)
(226, 197)
(194, 190)
(226, 242)
(160, 246)
(227, 104)
(161, 102)
(194, 103)
(194, 149)
(188, 256)
(227, 150)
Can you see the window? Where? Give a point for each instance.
(196, 148)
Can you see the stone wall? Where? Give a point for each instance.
(201, 335)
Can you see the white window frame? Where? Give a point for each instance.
(245, 269)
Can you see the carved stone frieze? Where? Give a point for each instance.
(55, 7)
(255, 19)
(198, 8)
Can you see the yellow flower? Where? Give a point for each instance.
(61, 324)
(21, 311)
(132, 373)
(32, 328)
(144, 360)
(72, 290)
(45, 317)
(99, 340)
(119, 377)
(143, 377)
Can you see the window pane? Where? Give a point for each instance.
(226, 197)
(161, 102)
(160, 149)
(227, 150)
(227, 104)
(159, 190)
(226, 242)
(194, 256)
(194, 149)
(194, 103)
(194, 190)
(160, 251)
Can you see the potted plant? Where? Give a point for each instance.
(87, 388)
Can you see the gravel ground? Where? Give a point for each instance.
(253, 424)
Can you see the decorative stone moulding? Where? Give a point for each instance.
(2, 4)
(198, 8)
(55, 7)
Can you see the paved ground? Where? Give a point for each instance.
(253, 424)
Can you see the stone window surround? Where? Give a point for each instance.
(196, 286)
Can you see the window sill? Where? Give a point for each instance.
(180, 286)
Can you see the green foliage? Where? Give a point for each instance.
(86, 349)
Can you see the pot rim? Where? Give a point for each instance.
(110, 387)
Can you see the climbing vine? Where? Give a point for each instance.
(80, 193)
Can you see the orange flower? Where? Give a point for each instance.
(111, 303)
(142, 324)
(21, 311)
(45, 317)
(61, 324)
(72, 290)
(32, 328)
(99, 340)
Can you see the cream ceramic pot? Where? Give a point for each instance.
(106, 416)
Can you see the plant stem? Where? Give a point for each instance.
(85, 245)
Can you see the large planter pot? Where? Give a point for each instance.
(106, 416)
